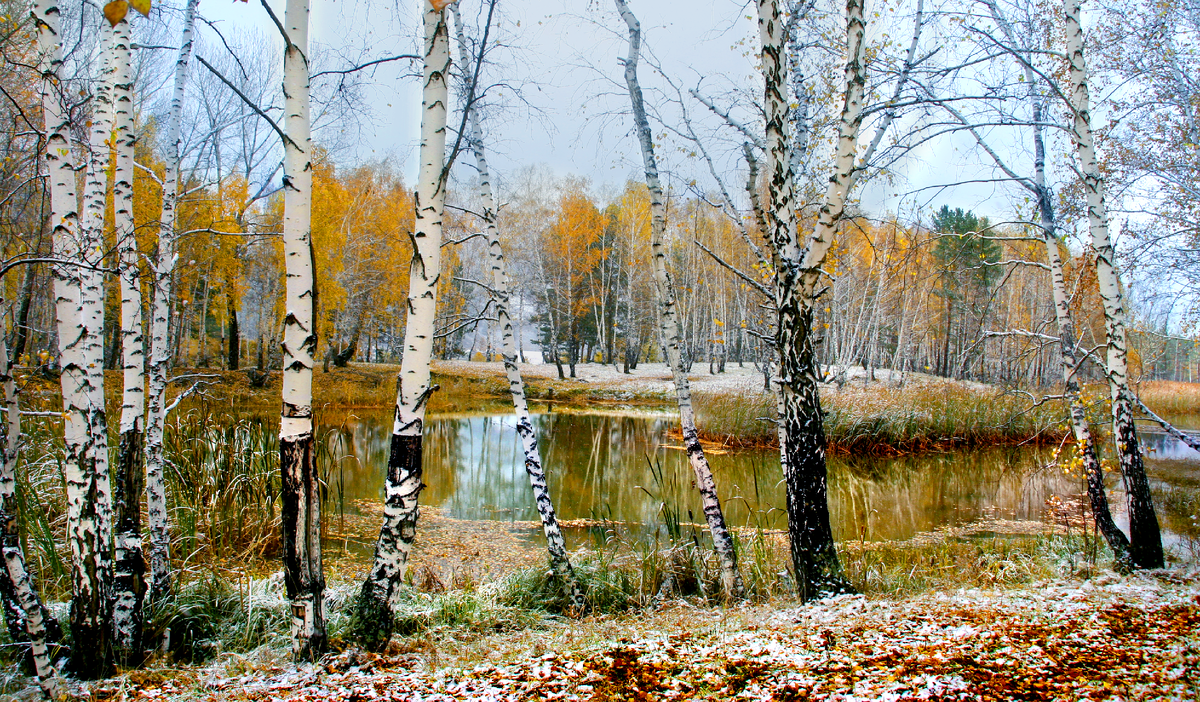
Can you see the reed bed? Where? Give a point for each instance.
(890, 420)
(1166, 397)
(223, 484)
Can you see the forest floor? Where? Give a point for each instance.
(1108, 637)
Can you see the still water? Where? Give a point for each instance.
(622, 467)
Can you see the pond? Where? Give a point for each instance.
(622, 467)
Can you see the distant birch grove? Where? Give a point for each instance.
(186, 206)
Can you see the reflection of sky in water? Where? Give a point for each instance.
(616, 467)
(1161, 445)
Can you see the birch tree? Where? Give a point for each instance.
(85, 469)
(555, 544)
(413, 388)
(301, 489)
(1070, 356)
(157, 518)
(668, 321)
(129, 562)
(36, 624)
(1145, 547)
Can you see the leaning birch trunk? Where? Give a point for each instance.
(37, 625)
(403, 482)
(555, 544)
(157, 519)
(668, 322)
(85, 435)
(802, 431)
(129, 562)
(1145, 541)
(300, 485)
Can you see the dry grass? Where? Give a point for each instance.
(883, 419)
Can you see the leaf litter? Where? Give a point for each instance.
(1133, 637)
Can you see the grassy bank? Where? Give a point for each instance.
(881, 419)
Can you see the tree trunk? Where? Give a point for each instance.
(21, 328)
(300, 486)
(129, 563)
(79, 314)
(1145, 540)
(668, 323)
(374, 614)
(161, 347)
(802, 432)
(555, 544)
(235, 338)
(30, 620)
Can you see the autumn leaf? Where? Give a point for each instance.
(142, 6)
(115, 11)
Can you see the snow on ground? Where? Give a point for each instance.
(1124, 638)
(656, 377)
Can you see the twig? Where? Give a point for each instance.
(366, 65)
(250, 103)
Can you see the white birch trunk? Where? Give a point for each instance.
(129, 562)
(301, 489)
(89, 526)
(1145, 540)
(403, 483)
(36, 623)
(157, 518)
(668, 323)
(555, 543)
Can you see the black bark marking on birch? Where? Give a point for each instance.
(302, 575)
(372, 619)
(129, 564)
(1145, 541)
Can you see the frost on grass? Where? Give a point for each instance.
(1108, 638)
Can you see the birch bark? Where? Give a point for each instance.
(157, 518)
(301, 489)
(555, 544)
(802, 431)
(1145, 547)
(403, 483)
(37, 626)
(80, 343)
(129, 562)
(668, 322)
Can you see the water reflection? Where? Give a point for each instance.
(622, 468)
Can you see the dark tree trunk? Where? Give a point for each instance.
(112, 357)
(235, 339)
(129, 564)
(818, 572)
(373, 613)
(1145, 539)
(21, 332)
(301, 513)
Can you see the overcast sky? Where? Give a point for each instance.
(570, 114)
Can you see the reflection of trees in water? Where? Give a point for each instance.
(597, 467)
(879, 498)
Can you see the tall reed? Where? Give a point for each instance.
(223, 483)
